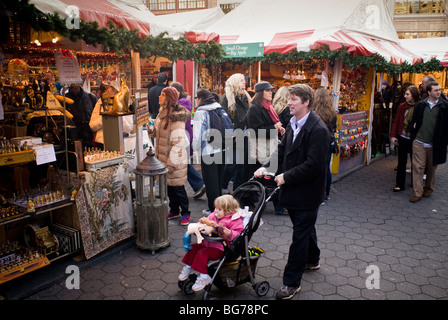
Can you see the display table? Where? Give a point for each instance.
(103, 207)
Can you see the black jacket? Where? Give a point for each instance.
(441, 130)
(239, 113)
(258, 118)
(153, 99)
(304, 164)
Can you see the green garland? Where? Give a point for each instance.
(123, 41)
(350, 61)
(113, 38)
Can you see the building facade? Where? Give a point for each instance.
(176, 6)
(421, 19)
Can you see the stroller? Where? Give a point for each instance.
(239, 262)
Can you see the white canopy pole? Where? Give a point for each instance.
(337, 74)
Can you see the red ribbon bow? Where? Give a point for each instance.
(66, 53)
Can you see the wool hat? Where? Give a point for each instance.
(385, 83)
(172, 95)
(162, 77)
(263, 85)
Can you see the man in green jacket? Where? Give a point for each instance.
(429, 133)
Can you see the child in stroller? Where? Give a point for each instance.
(237, 265)
(227, 222)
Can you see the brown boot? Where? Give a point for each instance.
(427, 193)
(415, 199)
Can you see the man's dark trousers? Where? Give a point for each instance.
(303, 248)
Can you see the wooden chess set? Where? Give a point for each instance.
(97, 159)
(16, 260)
(36, 198)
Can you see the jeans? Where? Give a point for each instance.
(194, 178)
(303, 248)
(329, 178)
(178, 199)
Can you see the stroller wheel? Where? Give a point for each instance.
(188, 284)
(262, 288)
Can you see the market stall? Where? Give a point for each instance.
(336, 45)
(59, 198)
(429, 48)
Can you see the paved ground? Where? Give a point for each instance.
(363, 227)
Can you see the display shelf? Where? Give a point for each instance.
(62, 204)
(7, 159)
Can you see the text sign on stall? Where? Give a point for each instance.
(68, 67)
(244, 50)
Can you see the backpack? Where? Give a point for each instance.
(219, 120)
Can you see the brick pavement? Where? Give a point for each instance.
(363, 224)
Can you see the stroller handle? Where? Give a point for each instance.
(266, 179)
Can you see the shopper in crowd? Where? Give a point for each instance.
(264, 126)
(323, 107)
(228, 223)
(424, 92)
(429, 136)
(386, 94)
(236, 102)
(280, 103)
(153, 81)
(212, 155)
(400, 134)
(154, 94)
(107, 93)
(194, 178)
(302, 155)
(81, 110)
(171, 150)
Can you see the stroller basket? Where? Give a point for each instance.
(236, 272)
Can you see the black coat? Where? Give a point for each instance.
(304, 164)
(258, 118)
(441, 130)
(153, 99)
(239, 113)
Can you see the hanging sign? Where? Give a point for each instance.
(244, 50)
(68, 67)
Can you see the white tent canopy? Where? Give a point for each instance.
(363, 27)
(429, 48)
(196, 20)
(131, 14)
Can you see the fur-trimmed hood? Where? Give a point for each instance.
(179, 113)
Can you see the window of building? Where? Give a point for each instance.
(192, 4)
(416, 35)
(155, 5)
(419, 7)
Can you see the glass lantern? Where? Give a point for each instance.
(152, 204)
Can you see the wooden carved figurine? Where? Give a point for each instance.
(121, 99)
